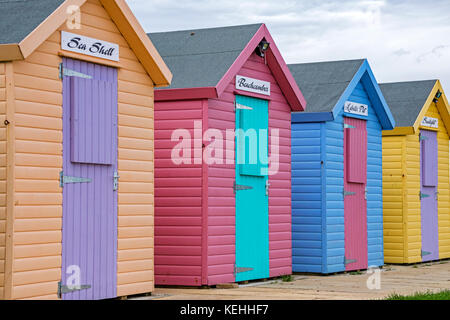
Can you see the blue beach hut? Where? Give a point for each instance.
(337, 209)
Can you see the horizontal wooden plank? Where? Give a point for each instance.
(37, 276)
(135, 288)
(37, 263)
(37, 250)
(35, 290)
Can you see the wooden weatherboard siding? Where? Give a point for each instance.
(402, 204)
(394, 188)
(221, 199)
(178, 198)
(335, 245)
(319, 229)
(307, 192)
(38, 142)
(3, 148)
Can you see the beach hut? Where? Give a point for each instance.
(337, 209)
(416, 173)
(76, 159)
(218, 220)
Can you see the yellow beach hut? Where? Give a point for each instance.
(416, 199)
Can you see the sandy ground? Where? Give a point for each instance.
(394, 279)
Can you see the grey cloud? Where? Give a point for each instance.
(318, 30)
(402, 52)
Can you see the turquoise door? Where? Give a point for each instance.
(251, 189)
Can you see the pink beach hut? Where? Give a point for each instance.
(217, 221)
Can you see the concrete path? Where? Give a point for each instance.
(394, 279)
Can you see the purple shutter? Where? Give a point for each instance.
(91, 111)
(429, 159)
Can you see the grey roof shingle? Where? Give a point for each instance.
(200, 58)
(323, 83)
(406, 99)
(18, 18)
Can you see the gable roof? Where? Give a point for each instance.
(204, 61)
(199, 58)
(25, 25)
(406, 99)
(411, 101)
(323, 83)
(19, 18)
(329, 84)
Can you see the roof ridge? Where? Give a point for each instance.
(212, 28)
(199, 54)
(409, 81)
(323, 62)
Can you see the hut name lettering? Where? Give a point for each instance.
(253, 85)
(89, 46)
(356, 108)
(430, 122)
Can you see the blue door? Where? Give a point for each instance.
(251, 189)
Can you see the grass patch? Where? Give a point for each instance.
(287, 278)
(355, 273)
(443, 295)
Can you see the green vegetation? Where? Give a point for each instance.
(356, 273)
(443, 295)
(287, 278)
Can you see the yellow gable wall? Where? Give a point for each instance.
(36, 263)
(413, 210)
(401, 189)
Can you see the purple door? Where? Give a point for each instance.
(429, 195)
(89, 181)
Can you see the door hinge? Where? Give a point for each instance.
(67, 179)
(347, 193)
(349, 261)
(238, 106)
(267, 187)
(365, 194)
(241, 270)
(422, 138)
(425, 253)
(239, 187)
(63, 289)
(347, 126)
(116, 181)
(65, 72)
(424, 195)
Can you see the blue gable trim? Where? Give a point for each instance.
(365, 75)
(302, 117)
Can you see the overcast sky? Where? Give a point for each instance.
(403, 39)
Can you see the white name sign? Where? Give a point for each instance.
(89, 46)
(430, 122)
(356, 108)
(253, 85)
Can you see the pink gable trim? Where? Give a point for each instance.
(276, 64)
